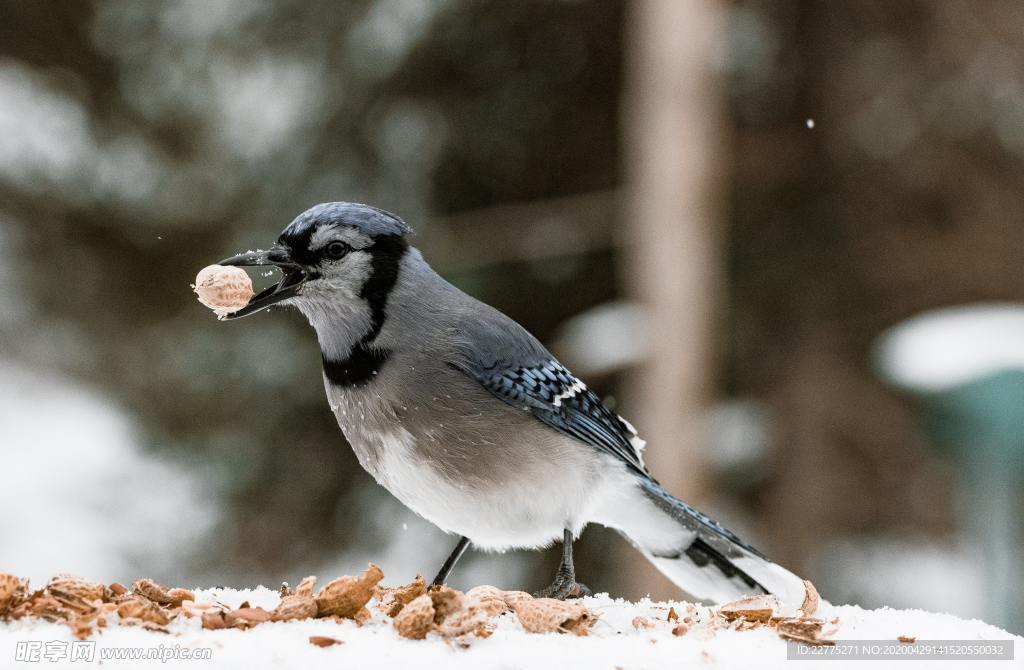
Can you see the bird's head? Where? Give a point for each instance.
(333, 252)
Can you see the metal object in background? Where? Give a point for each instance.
(967, 367)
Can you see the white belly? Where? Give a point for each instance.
(525, 513)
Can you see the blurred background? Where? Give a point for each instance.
(782, 237)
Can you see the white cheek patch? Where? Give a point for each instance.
(333, 305)
(339, 233)
(346, 275)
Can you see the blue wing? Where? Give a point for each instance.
(555, 396)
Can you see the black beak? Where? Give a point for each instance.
(292, 279)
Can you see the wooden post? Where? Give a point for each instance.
(673, 131)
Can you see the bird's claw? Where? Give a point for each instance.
(563, 588)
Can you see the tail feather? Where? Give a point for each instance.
(699, 555)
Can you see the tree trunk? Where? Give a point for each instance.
(673, 133)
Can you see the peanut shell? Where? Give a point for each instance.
(547, 615)
(345, 596)
(295, 607)
(464, 621)
(490, 598)
(811, 599)
(224, 289)
(391, 599)
(754, 608)
(416, 619)
(142, 609)
(12, 590)
(77, 594)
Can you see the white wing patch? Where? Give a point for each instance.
(635, 440)
(577, 387)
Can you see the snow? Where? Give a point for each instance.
(613, 641)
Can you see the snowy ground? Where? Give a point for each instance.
(615, 641)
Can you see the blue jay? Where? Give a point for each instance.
(469, 421)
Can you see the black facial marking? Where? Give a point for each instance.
(365, 360)
(297, 242)
(386, 254)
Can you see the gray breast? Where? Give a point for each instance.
(452, 426)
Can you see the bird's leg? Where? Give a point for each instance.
(565, 584)
(449, 563)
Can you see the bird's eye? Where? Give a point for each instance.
(336, 249)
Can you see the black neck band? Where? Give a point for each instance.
(364, 360)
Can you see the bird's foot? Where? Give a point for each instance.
(564, 586)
